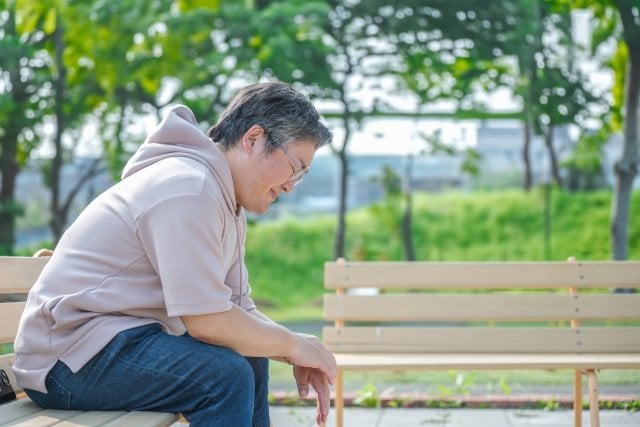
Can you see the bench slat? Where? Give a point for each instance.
(10, 313)
(93, 418)
(466, 307)
(135, 419)
(482, 339)
(46, 418)
(19, 273)
(475, 361)
(18, 409)
(442, 275)
(25, 412)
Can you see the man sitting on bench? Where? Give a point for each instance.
(145, 303)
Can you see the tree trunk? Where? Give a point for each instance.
(407, 227)
(340, 237)
(553, 158)
(9, 167)
(8, 206)
(526, 156)
(530, 68)
(627, 167)
(58, 221)
(342, 204)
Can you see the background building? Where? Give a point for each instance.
(499, 144)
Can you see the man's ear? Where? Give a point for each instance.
(250, 138)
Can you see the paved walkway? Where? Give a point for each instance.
(286, 416)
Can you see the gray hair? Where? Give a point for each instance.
(285, 114)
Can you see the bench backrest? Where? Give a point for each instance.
(482, 307)
(17, 275)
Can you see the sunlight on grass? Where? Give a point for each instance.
(285, 258)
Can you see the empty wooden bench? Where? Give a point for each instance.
(484, 315)
(17, 275)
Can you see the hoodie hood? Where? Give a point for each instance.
(178, 135)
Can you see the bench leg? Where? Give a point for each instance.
(594, 404)
(339, 401)
(577, 398)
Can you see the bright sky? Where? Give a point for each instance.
(402, 136)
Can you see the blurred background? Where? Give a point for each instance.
(463, 130)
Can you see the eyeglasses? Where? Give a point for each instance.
(298, 170)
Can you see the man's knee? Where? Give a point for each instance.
(241, 372)
(224, 394)
(233, 375)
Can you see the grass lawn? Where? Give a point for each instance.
(444, 385)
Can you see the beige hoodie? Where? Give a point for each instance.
(166, 241)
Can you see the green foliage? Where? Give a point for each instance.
(11, 208)
(631, 406)
(504, 386)
(471, 162)
(389, 180)
(549, 405)
(367, 397)
(285, 259)
(296, 52)
(606, 29)
(24, 100)
(387, 216)
(463, 382)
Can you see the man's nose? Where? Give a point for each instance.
(288, 186)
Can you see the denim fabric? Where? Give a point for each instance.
(145, 368)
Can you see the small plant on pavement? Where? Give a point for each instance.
(367, 397)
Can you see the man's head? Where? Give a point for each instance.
(269, 134)
(285, 114)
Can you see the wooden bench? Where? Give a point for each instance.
(484, 315)
(17, 275)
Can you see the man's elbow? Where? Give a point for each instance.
(210, 328)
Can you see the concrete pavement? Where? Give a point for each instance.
(291, 416)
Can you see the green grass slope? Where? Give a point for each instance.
(285, 258)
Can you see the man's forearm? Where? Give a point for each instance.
(260, 315)
(248, 333)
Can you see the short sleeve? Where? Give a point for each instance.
(183, 238)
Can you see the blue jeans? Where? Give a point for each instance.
(146, 369)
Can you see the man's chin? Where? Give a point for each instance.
(260, 210)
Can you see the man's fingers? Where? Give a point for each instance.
(322, 389)
(332, 372)
(302, 380)
(331, 378)
(317, 379)
(320, 420)
(303, 390)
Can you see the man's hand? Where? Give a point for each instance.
(314, 365)
(318, 380)
(310, 352)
